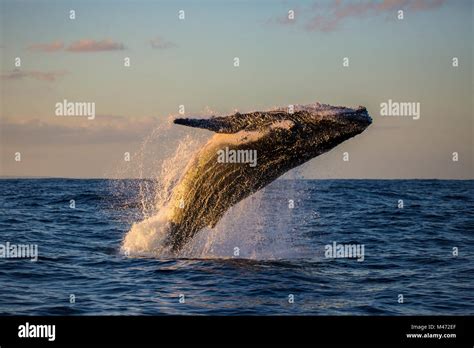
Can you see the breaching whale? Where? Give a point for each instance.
(281, 139)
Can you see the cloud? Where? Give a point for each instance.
(161, 44)
(47, 47)
(332, 15)
(49, 76)
(340, 11)
(77, 130)
(86, 45)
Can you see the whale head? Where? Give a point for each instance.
(317, 128)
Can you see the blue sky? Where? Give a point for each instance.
(280, 64)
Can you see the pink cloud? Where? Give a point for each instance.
(47, 47)
(49, 76)
(160, 43)
(331, 16)
(86, 45)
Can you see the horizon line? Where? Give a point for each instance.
(7, 177)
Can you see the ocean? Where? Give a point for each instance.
(267, 256)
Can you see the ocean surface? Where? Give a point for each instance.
(266, 257)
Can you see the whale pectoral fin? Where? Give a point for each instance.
(216, 124)
(233, 123)
(227, 125)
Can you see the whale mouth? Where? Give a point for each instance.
(359, 115)
(325, 111)
(322, 116)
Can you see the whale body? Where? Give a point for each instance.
(281, 140)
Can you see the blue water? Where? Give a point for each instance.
(408, 251)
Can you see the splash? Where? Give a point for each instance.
(146, 238)
(216, 209)
(247, 230)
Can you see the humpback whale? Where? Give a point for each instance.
(282, 139)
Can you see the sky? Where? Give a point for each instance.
(190, 62)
